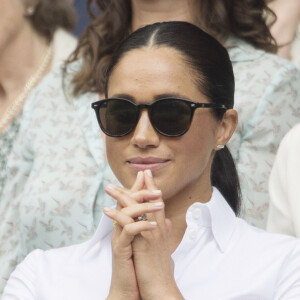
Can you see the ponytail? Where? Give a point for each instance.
(225, 178)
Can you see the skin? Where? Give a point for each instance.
(285, 27)
(147, 12)
(17, 66)
(142, 264)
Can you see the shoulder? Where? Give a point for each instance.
(277, 256)
(275, 246)
(64, 43)
(55, 87)
(65, 37)
(259, 63)
(292, 138)
(288, 152)
(53, 259)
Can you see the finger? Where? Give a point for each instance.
(117, 215)
(150, 184)
(131, 230)
(145, 208)
(126, 197)
(128, 214)
(120, 194)
(139, 182)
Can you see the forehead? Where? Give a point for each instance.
(150, 71)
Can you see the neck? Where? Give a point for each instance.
(18, 60)
(147, 12)
(177, 206)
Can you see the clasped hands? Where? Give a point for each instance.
(142, 267)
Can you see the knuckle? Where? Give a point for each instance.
(127, 229)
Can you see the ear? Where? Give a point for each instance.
(226, 128)
(30, 7)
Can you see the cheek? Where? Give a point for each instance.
(115, 156)
(113, 151)
(198, 147)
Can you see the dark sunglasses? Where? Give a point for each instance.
(169, 116)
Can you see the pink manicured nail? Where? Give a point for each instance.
(158, 192)
(106, 209)
(110, 187)
(158, 204)
(153, 223)
(149, 173)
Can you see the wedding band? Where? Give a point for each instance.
(143, 217)
(115, 223)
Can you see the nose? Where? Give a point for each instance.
(144, 135)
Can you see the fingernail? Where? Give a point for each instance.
(158, 204)
(153, 223)
(158, 192)
(106, 209)
(110, 187)
(149, 173)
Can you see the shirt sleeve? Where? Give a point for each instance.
(288, 285)
(18, 171)
(22, 283)
(277, 110)
(284, 187)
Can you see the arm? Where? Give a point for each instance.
(276, 110)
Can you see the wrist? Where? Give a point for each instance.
(167, 292)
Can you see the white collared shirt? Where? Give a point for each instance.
(220, 257)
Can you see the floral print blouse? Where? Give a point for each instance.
(54, 193)
(7, 139)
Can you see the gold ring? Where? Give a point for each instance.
(115, 223)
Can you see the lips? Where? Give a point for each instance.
(147, 163)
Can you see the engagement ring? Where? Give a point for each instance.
(141, 218)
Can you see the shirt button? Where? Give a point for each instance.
(193, 234)
(197, 213)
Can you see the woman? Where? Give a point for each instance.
(54, 196)
(33, 40)
(284, 214)
(167, 116)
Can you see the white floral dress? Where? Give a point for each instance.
(7, 139)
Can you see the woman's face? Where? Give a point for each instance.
(12, 21)
(178, 164)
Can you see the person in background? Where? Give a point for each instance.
(286, 29)
(55, 192)
(34, 39)
(167, 115)
(83, 18)
(284, 213)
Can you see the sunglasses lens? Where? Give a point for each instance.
(117, 117)
(171, 117)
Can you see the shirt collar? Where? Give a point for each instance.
(215, 214)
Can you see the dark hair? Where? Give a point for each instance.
(213, 75)
(111, 23)
(50, 15)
